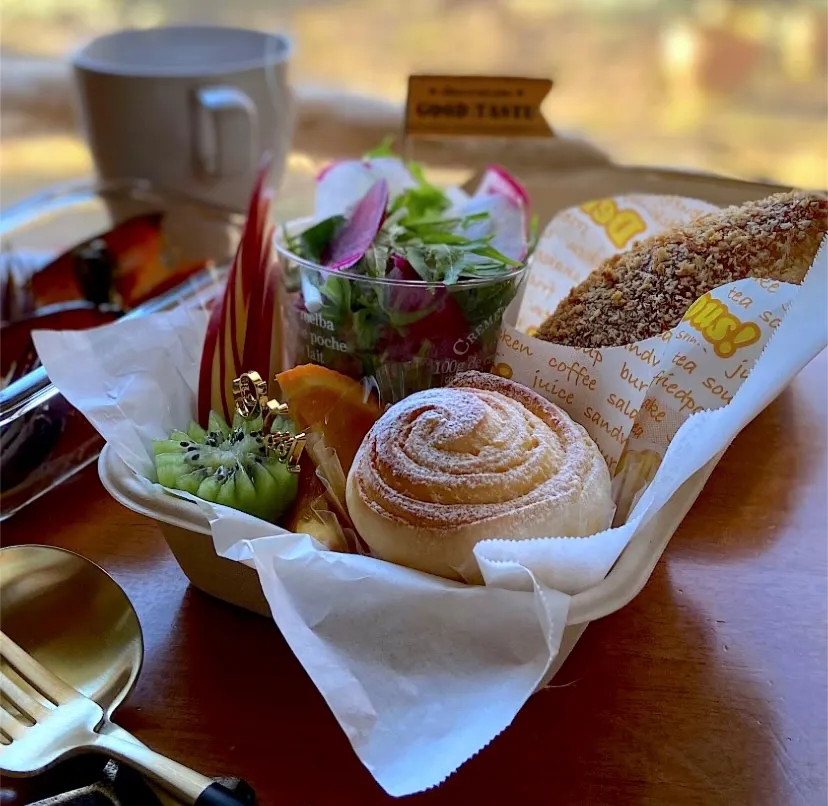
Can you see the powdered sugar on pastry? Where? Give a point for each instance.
(484, 457)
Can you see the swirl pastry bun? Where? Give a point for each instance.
(481, 458)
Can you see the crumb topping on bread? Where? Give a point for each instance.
(647, 290)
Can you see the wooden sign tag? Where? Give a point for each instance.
(476, 106)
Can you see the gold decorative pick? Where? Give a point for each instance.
(250, 397)
(250, 394)
(286, 448)
(271, 409)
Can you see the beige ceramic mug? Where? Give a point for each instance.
(189, 108)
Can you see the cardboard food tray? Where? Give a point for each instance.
(187, 531)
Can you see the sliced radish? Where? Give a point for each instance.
(506, 221)
(498, 181)
(458, 199)
(343, 184)
(355, 236)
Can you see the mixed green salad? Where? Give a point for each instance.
(397, 279)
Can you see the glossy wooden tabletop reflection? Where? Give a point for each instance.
(710, 688)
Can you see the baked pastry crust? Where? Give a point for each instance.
(482, 458)
(647, 290)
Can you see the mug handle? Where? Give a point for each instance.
(225, 131)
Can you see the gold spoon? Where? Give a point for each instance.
(77, 622)
(73, 618)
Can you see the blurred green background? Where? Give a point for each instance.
(739, 87)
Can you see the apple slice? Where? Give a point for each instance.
(244, 318)
(262, 346)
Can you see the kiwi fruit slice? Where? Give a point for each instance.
(228, 465)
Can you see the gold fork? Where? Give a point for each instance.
(44, 720)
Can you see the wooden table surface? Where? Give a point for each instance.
(710, 688)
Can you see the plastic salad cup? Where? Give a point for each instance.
(404, 335)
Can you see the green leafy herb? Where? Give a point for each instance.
(336, 291)
(314, 241)
(420, 202)
(384, 149)
(444, 238)
(454, 271)
(365, 328)
(491, 252)
(417, 258)
(373, 263)
(401, 319)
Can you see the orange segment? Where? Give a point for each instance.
(332, 404)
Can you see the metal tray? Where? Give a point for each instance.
(57, 440)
